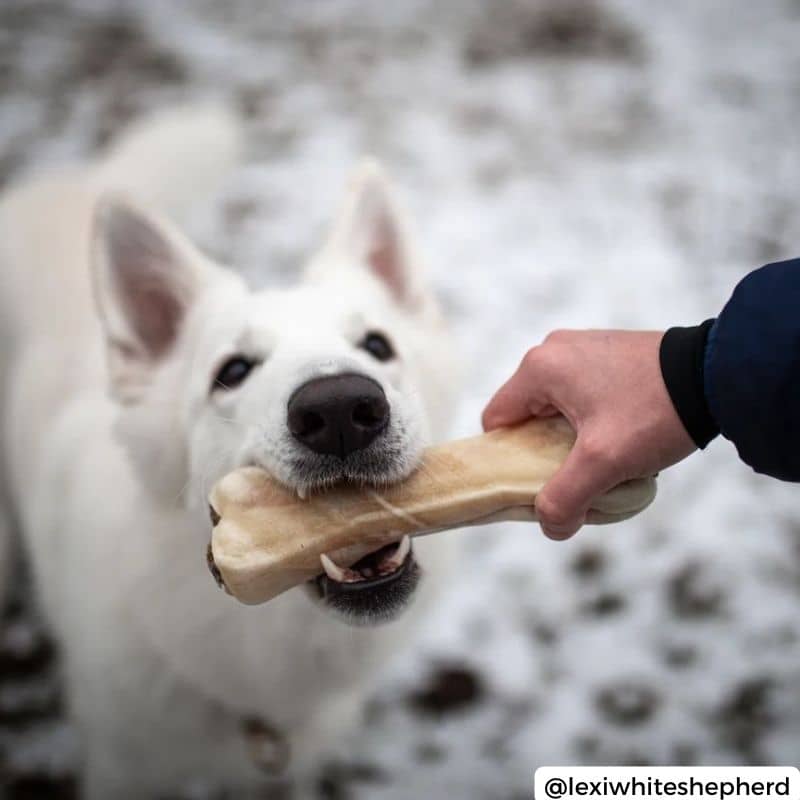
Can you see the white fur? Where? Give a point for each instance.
(111, 447)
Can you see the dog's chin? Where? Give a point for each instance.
(379, 587)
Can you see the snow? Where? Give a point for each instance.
(611, 164)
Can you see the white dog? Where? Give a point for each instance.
(136, 373)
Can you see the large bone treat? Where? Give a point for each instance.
(266, 539)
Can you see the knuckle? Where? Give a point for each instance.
(543, 360)
(532, 359)
(557, 336)
(598, 452)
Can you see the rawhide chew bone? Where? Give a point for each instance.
(266, 539)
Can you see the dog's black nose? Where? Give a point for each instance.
(339, 414)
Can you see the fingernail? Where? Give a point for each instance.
(556, 533)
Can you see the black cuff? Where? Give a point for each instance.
(682, 357)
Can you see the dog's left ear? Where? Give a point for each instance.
(371, 231)
(145, 277)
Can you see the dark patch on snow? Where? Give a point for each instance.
(36, 749)
(680, 656)
(375, 711)
(627, 703)
(10, 163)
(18, 17)
(692, 594)
(336, 778)
(236, 212)
(586, 746)
(449, 689)
(589, 563)
(544, 633)
(685, 755)
(496, 749)
(735, 89)
(430, 753)
(24, 648)
(117, 111)
(559, 28)
(591, 750)
(605, 604)
(745, 716)
(25, 701)
(516, 714)
(112, 47)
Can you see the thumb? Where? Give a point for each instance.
(520, 397)
(563, 502)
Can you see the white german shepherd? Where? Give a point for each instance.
(135, 373)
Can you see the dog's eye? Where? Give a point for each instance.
(377, 345)
(232, 373)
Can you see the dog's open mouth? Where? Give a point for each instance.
(376, 569)
(379, 586)
(374, 589)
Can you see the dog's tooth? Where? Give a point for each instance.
(337, 573)
(302, 492)
(396, 559)
(332, 569)
(403, 549)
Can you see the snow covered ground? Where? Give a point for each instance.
(570, 164)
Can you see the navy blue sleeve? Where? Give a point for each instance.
(740, 374)
(752, 370)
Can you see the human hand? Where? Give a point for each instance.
(608, 384)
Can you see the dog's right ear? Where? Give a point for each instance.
(145, 276)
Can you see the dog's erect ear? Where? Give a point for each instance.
(372, 231)
(145, 277)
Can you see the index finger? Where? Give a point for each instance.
(522, 396)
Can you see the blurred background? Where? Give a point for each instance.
(569, 163)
